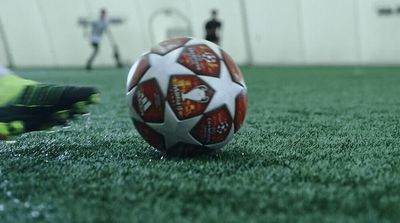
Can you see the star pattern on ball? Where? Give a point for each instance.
(166, 66)
(202, 129)
(227, 91)
(132, 111)
(175, 130)
(211, 45)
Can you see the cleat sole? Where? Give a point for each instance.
(16, 127)
(94, 99)
(61, 116)
(10, 129)
(4, 133)
(79, 107)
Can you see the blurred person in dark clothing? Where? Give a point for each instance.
(213, 27)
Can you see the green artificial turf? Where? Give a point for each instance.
(320, 144)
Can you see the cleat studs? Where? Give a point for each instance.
(16, 127)
(4, 130)
(79, 107)
(11, 129)
(61, 115)
(94, 99)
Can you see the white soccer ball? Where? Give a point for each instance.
(186, 96)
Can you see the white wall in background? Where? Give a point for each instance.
(275, 31)
(28, 40)
(4, 60)
(329, 31)
(66, 40)
(379, 36)
(45, 32)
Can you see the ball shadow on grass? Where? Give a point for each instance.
(184, 152)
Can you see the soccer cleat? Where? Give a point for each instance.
(42, 106)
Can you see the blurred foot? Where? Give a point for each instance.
(88, 67)
(29, 106)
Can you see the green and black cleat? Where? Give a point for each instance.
(42, 106)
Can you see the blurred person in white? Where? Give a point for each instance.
(99, 27)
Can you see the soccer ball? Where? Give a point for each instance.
(186, 96)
